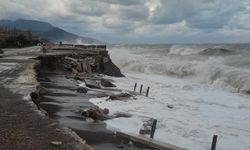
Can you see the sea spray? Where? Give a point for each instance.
(198, 63)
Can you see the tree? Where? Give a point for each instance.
(22, 40)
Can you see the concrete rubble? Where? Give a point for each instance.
(146, 127)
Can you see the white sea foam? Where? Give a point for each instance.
(204, 92)
(202, 69)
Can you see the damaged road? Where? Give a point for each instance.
(53, 78)
(21, 125)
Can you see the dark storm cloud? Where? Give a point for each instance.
(197, 13)
(136, 18)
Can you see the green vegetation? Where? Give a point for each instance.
(19, 41)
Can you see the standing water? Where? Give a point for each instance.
(196, 91)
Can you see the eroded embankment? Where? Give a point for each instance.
(58, 88)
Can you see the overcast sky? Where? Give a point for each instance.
(140, 21)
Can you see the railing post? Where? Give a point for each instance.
(147, 91)
(153, 129)
(141, 89)
(213, 147)
(135, 87)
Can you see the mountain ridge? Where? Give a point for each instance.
(45, 30)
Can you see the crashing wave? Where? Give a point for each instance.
(216, 52)
(180, 70)
(184, 50)
(236, 79)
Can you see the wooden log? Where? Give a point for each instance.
(213, 146)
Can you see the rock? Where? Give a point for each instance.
(170, 106)
(42, 90)
(92, 84)
(106, 111)
(82, 90)
(121, 96)
(130, 144)
(96, 113)
(112, 97)
(147, 125)
(35, 98)
(78, 78)
(121, 145)
(145, 131)
(110, 69)
(56, 143)
(107, 83)
(74, 70)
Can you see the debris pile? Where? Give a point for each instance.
(86, 59)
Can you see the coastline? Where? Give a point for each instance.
(22, 125)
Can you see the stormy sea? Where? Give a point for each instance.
(196, 91)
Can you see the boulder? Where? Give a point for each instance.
(107, 83)
(35, 98)
(121, 96)
(42, 90)
(96, 113)
(92, 84)
(110, 69)
(147, 125)
(170, 106)
(78, 78)
(82, 90)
